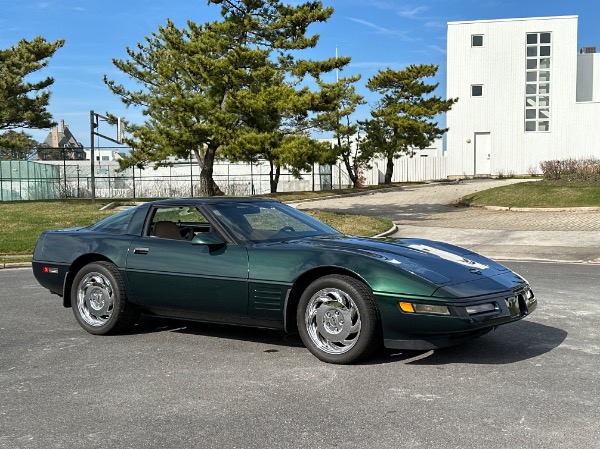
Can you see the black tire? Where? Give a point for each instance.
(338, 319)
(99, 301)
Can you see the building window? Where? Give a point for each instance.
(476, 90)
(537, 82)
(477, 40)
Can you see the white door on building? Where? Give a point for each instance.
(483, 154)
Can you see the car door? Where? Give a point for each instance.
(165, 270)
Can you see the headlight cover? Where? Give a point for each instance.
(429, 309)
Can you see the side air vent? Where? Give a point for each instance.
(266, 301)
(587, 50)
(266, 298)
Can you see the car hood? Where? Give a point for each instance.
(437, 262)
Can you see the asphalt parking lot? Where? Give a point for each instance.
(169, 384)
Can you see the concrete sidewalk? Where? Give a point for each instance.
(570, 235)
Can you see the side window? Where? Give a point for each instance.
(177, 223)
(476, 90)
(537, 82)
(116, 223)
(477, 40)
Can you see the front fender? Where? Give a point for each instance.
(286, 265)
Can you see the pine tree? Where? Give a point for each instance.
(226, 88)
(22, 103)
(16, 145)
(339, 121)
(403, 120)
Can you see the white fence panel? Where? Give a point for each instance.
(407, 169)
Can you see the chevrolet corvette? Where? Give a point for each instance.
(257, 262)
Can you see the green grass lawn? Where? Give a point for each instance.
(22, 222)
(538, 194)
(358, 225)
(14, 259)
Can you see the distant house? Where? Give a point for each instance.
(61, 145)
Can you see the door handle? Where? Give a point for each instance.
(141, 250)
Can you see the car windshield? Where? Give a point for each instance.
(269, 221)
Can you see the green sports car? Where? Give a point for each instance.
(261, 263)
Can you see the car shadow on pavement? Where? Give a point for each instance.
(517, 342)
(508, 344)
(151, 324)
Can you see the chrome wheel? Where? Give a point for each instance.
(332, 321)
(95, 299)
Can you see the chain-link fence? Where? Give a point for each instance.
(26, 180)
(22, 180)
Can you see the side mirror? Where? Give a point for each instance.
(208, 239)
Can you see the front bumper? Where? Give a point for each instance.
(423, 331)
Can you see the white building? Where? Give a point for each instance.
(104, 155)
(434, 150)
(526, 95)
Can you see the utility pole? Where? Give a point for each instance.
(94, 122)
(93, 126)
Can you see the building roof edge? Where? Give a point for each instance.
(517, 19)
